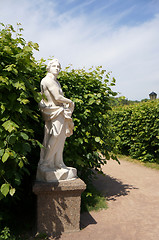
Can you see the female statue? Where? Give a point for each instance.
(56, 111)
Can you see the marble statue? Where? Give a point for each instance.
(56, 111)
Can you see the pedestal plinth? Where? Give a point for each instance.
(58, 206)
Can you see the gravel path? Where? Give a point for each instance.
(132, 191)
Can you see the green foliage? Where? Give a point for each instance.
(120, 101)
(5, 234)
(137, 130)
(92, 200)
(92, 138)
(19, 118)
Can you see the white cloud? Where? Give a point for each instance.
(131, 53)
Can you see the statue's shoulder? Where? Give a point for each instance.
(46, 80)
(43, 82)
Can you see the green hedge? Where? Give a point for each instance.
(91, 92)
(19, 116)
(137, 130)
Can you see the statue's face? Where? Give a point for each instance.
(55, 68)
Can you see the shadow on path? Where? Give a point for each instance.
(111, 188)
(86, 219)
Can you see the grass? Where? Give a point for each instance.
(146, 164)
(92, 200)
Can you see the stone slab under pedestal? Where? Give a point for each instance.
(58, 206)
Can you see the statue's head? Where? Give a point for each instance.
(54, 67)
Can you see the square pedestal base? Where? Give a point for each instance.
(58, 206)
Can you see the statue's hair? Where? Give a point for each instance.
(52, 62)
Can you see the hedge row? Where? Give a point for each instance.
(137, 130)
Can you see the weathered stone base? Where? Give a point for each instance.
(58, 206)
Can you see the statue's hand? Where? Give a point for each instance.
(71, 105)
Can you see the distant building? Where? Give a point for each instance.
(153, 95)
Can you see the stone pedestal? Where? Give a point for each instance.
(58, 206)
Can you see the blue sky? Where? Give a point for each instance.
(120, 35)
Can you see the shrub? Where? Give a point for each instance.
(92, 138)
(19, 116)
(137, 130)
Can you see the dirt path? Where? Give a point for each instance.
(133, 198)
